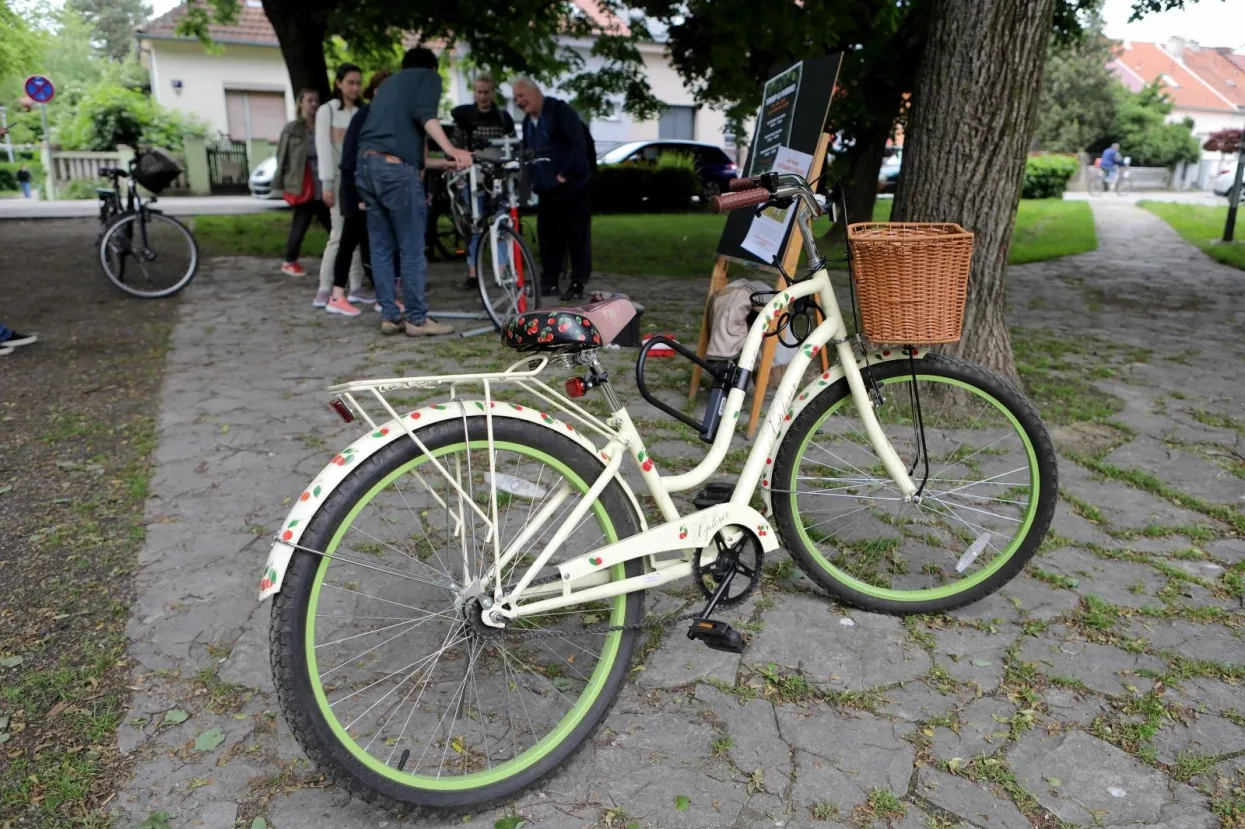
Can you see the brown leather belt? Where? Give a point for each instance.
(391, 159)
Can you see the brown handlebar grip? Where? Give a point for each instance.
(734, 201)
(739, 184)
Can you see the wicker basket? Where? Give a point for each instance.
(911, 279)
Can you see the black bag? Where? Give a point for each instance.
(156, 170)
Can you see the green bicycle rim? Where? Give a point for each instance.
(550, 741)
(947, 590)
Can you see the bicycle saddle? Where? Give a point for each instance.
(569, 329)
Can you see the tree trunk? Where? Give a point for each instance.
(973, 115)
(301, 32)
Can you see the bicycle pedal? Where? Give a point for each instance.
(717, 635)
(712, 495)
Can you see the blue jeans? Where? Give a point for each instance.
(474, 244)
(397, 216)
(25, 188)
(5, 334)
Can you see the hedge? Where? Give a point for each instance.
(1046, 176)
(627, 188)
(8, 174)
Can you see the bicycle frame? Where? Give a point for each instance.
(667, 549)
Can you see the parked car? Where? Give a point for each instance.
(715, 167)
(888, 176)
(1224, 179)
(260, 181)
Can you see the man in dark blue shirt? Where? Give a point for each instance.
(564, 216)
(392, 154)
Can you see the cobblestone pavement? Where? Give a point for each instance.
(1100, 688)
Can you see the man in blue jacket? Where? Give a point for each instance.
(564, 218)
(1111, 161)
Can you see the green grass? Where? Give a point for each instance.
(1050, 228)
(664, 244)
(1202, 227)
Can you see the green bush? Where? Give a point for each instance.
(8, 174)
(1046, 176)
(111, 114)
(80, 189)
(631, 188)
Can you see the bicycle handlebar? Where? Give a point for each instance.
(740, 184)
(734, 201)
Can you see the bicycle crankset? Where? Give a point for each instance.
(738, 565)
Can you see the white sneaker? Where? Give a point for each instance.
(17, 339)
(6, 350)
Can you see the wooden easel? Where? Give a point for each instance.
(717, 282)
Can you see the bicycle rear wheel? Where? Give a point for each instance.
(148, 255)
(1097, 186)
(499, 273)
(385, 672)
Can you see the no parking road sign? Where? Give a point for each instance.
(40, 89)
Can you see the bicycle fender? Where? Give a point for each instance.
(810, 392)
(331, 477)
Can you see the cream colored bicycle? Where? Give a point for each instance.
(458, 594)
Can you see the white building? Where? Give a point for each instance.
(243, 89)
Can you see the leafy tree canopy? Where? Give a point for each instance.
(112, 24)
(1144, 133)
(1079, 93)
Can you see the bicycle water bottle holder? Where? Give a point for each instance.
(725, 377)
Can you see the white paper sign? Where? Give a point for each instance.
(765, 235)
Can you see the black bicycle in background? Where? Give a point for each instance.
(141, 250)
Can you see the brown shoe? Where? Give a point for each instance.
(430, 328)
(389, 328)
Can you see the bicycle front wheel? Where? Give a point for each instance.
(987, 474)
(1123, 186)
(148, 255)
(384, 670)
(507, 276)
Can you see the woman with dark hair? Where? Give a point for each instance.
(296, 159)
(354, 227)
(332, 121)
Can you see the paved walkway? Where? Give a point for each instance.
(1041, 683)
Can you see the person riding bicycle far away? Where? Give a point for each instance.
(332, 120)
(475, 124)
(553, 129)
(296, 159)
(392, 155)
(1111, 161)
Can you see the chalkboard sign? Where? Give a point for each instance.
(794, 104)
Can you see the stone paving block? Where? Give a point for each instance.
(1102, 667)
(1125, 508)
(1209, 734)
(1206, 695)
(1100, 785)
(970, 801)
(982, 729)
(861, 749)
(851, 652)
(972, 655)
(1213, 643)
(1071, 707)
(1038, 600)
(1122, 583)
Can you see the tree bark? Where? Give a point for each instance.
(301, 31)
(973, 115)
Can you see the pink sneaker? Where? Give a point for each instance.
(342, 306)
(292, 269)
(321, 300)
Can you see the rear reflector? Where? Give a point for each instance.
(343, 411)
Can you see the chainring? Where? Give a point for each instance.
(743, 559)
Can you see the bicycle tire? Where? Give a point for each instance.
(1123, 186)
(125, 225)
(314, 721)
(893, 539)
(1097, 186)
(506, 306)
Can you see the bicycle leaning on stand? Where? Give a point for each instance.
(458, 594)
(141, 250)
